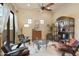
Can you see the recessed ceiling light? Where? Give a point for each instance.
(28, 4)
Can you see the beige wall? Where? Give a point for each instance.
(71, 10)
(35, 14)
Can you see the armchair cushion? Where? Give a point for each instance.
(16, 51)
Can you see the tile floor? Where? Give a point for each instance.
(50, 51)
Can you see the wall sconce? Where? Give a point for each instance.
(28, 4)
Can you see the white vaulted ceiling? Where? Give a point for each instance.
(26, 6)
(29, 5)
(56, 7)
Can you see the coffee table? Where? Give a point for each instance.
(40, 43)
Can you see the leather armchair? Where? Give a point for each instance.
(21, 51)
(70, 49)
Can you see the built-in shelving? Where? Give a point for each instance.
(68, 24)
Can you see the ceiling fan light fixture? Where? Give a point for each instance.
(48, 7)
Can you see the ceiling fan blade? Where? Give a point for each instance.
(46, 7)
(50, 4)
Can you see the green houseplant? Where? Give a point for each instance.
(49, 35)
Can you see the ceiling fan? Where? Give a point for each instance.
(47, 7)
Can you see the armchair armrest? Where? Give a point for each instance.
(15, 51)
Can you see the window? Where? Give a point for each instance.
(11, 14)
(29, 21)
(11, 20)
(12, 25)
(41, 21)
(26, 25)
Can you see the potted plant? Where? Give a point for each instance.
(49, 35)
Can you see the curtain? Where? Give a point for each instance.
(1, 17)
(4, 18)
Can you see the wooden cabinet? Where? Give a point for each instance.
(36, 34)
(66, 26)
